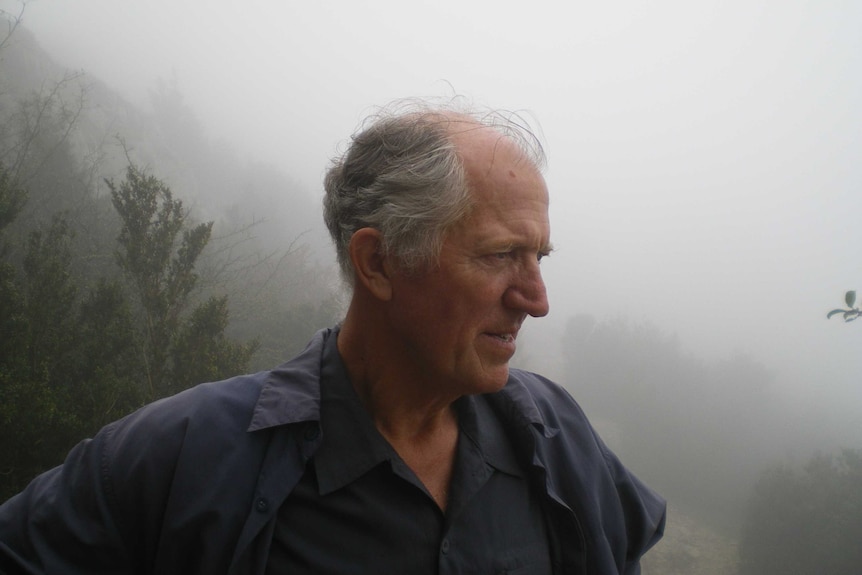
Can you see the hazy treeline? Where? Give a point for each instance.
(118, 287)
(716, 439)
(806, 520)
(699, 431)
(63, 135)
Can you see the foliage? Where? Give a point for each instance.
(202, 352)
(12, 199)
(852, 312)
(105, 368)
(158, 252)
(72, 360)
(806, 521)
(108, 301)
(50, 295)
(37, 336)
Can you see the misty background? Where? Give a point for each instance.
(704, 172)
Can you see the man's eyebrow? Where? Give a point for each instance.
(508, 246)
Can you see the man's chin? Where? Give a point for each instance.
(495, 379)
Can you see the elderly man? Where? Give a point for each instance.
(398, 442)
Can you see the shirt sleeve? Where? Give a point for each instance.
(645, 512)
(63, 522)
(166, 488)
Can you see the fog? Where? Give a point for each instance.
(704, 157)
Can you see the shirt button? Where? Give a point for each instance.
(444, 547)
(261, 505)
(311, 432)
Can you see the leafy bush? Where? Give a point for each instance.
(806, 521)
(71, 360)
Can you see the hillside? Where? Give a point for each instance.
(690, 547)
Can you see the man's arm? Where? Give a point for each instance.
(63, 521)
(646, 512)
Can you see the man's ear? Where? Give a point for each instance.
(371, 267)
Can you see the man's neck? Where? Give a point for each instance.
(403, 404)
(419, 422)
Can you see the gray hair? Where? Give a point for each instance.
(403, 176)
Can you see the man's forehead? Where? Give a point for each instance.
(484, 147)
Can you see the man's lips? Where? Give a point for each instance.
(506, 337)
(507, 334)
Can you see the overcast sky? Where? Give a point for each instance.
(705, 157)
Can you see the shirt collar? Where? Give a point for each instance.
(481, 426)
(351, 445)
(291, 392)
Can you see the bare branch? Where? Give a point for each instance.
(12, 22)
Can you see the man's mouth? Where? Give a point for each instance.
(504, 336)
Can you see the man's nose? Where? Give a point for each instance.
(528, 293)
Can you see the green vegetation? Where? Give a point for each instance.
(806, 521)
(112, 294)
(852, 311)
(175, 351)
(70, 364)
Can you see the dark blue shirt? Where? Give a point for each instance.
(360, 509)
(193, 484)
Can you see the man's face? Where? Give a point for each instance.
(458, 321)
